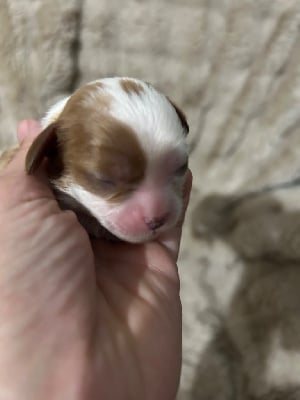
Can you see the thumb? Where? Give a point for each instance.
(16, 186)
(27, 131)
(171, 239)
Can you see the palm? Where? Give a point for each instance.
(139, 326)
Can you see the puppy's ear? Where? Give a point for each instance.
(45, 145)
(181, 116)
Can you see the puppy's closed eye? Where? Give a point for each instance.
(99, 184)
(107, 187)
(106, 183)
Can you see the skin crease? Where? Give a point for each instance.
(81, 320)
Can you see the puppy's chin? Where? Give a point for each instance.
(140, 237)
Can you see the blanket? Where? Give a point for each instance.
(233, 67)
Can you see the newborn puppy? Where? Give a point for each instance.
(117, 156)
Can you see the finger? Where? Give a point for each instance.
(18, 186)
(27, 131)
(171, 239)
(186, 195)
(136, 258)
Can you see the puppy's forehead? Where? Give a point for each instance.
(120, 119)
(135, 103)
(151, 115)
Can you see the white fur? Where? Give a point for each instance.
(149, 113)
(54, 112)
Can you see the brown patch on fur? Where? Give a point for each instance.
(111, 161)
(101, 153)
(131, 87)
(89, 98)
(86, 99)
(87, 146)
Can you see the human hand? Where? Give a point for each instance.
(81, 319)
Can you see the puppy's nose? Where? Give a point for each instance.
(156, 223)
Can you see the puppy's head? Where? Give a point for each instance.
(116, 150)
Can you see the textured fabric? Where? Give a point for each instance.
(233, 66)
(37, 46)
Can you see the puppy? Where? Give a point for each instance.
(117, 155)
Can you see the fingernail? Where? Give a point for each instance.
(33, 126)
